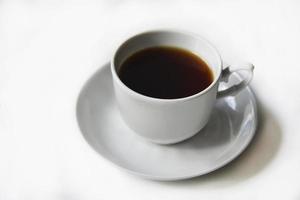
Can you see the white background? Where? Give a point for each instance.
(48, 49)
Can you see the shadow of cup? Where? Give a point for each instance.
(252, 161)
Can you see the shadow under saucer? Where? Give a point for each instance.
(261, 151)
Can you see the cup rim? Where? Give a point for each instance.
(148, 98)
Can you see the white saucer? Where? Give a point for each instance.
(227, 134)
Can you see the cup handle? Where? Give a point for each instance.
(228, 71)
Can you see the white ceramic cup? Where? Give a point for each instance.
(167, 121)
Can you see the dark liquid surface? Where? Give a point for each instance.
(165, 72)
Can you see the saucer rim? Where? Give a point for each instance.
(160, 178)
